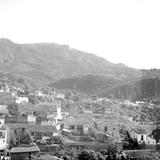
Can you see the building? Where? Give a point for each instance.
(15, 130)
(150, 141)
(38, 130)
(3, 109)
(18, 119)
(31, 119)
(3, 138)
(16, 140)
(139, 134)
(108, 126)
(20, 153)
(19, 100)
(79, 124)
(2, 121)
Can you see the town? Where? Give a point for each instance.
(64, 124)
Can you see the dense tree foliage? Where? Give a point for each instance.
(156, 134)
(13, 109)
(87, 155)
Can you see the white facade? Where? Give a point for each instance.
(21, 100)
(151, 141)
(49, 123)
(1, 122)
(59, 113)
(142, 138)
(3, 139)
(31, 119)
(60, 96)
(138, 136)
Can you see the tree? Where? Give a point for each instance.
(26, 137)
(13, 109)
(130, 143)
(87, 155)
(156, 134)
(56, 140)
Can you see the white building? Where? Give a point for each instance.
(60, 95)
(21, 100)
(1, 122)
(3, 139)
(150, 141)
(31, 120)
(139, 134)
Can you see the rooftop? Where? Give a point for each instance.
(42, 129)
(16, 125)
(25, 149)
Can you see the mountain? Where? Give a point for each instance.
(62, 67)
(46, 63)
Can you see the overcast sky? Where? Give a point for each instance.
(122, 31)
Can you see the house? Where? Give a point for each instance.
(3, 109)
(108, 126)
(15, 130)
(49, 122)
(139, 134)
(60, 96)
(14, 135)
(101, 137)
(3, 138)
(79, 124)
(31, 119)
(9, 128)
(38, 130)
(2, 121)
(150, 141)
(19, 100)
(18, 119)
(21, 153)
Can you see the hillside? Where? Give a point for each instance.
(88, 84)
(136, 90)
(45, 63)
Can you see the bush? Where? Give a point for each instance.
(87, 155)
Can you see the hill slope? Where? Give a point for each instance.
(45, 63)
(147, 87)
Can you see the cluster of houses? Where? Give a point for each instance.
(83, 123)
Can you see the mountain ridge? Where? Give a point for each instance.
(45, 63)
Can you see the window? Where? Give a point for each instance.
(15, 132)
(1, 134)
(105, 128)
(32, 133)
(142, 137)
(72, 127)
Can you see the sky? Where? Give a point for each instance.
(121, 31)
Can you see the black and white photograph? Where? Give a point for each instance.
(79, 79)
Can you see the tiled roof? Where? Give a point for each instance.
(16, 125)
(139, 153)
(42, 129)
(84, 119)
(140, 130)
(49, 157)
(24, 149)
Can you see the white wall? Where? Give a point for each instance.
(3, 139)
